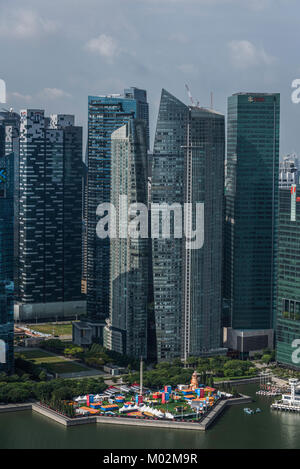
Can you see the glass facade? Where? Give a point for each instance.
(188, 167)
(126, 329)
(48, 216)
(106, 114)
(204, 182)
(251, 194)
(288, 287)
(168, 187)
(9, 149)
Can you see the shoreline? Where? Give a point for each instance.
(68, 422)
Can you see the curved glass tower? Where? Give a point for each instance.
(188, 168)
(126, 329)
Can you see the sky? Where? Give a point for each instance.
(54, 54)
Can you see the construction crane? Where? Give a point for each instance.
(190, 95)
(198, 102)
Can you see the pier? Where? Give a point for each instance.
(285, 407)
(289, 402)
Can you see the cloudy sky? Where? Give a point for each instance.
(54, 54)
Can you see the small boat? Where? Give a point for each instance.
(258, 411)
(248, 411)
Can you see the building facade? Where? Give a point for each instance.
(288, 288)
(188, 168)
(289, 171)
(48, 230)
(106, 114)
(126, 328)
(9, 151)
(251, 195)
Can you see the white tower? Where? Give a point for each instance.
(293, 383)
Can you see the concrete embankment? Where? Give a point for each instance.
(220, 407)
(68, 422)
(14, 407)
(151, 423)
(238, 382)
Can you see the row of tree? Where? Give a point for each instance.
(15, 389)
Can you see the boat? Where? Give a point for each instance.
(258, 411)
(248, 411)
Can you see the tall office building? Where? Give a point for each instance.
(188, 168)
(106, 114)
(48, 218)
(9, 150)
(126, 329)
(251, 195)
(142, 113)
(288, 284)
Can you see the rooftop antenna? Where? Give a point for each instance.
(211, 100)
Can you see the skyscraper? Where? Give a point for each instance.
(9, 150)
(251, 195)
(142, 107)
(288, 284)
(188, 168)
(48, 218)
(126, 329)
(106, 114)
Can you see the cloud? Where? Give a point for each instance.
(53, 93)
(47, 94)
(19, 96)
(179, 37)
(189, 69)
(103, 45)
(244, 54)
(23, 24)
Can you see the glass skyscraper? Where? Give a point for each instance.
(188, 168)
(251, 195)
(9, 150)
(106, 114)
(126, 329)
(48, 218)
(288, 284)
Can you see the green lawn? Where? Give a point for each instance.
(57, 329)
(53, 363)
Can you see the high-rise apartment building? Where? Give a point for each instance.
(188, 168)
(9, 151)
(106, 114)
(288, 283)
(126, 329)
(251, 197)
(48, 218)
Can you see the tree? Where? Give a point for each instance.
(266, 358)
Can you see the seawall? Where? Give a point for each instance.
(203, 425)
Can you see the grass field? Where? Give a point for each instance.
(57, 329)
(53, 363)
